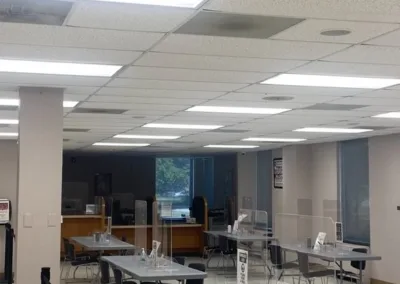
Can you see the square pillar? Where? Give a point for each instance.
(39, 184)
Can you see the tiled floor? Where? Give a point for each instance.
(218, 276)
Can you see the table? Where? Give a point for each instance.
(135, 268)
(242, 238)
(333, 255)
(114, 244)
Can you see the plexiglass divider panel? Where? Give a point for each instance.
(162, 233)
(140, 231)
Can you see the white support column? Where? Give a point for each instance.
(39, 183)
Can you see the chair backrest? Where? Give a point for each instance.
(275, 255)
(179, 260)
(197, 266)
(303, 262)
(117, 275)
(65, 243)
(223, 243)
(70, 252)
(105, 272)
(359, 264)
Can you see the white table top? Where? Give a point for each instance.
(242, 238)
(114, 244)
(335, 254)
(132, 266)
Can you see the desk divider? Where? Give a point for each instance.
(162, 233)
(140, 231)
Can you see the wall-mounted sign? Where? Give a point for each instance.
(5, 211)
(278, 173)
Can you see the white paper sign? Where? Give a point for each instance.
(339, 232)
(4, 211)
(320, 240)
(242, 266)
(154, 250)
(166, 209)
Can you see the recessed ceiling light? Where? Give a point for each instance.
(264, 139)
(332, 130)
(335, 32)
(8, 134)
(8, 121)
(182, 126)
(121, 144)
(127, 136)
(232, 146)
(57, 68)
(171, 3)
(243, 110)
(70, 103)
(331, 81)
(9, 102)
(278, 98)
(388, 115)
(15, 102)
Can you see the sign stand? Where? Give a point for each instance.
(242, 266)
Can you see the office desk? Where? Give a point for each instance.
(132, 266)
(114, 244)
(335, 255)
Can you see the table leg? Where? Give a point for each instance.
(96, 279)
(341, 271)
(360, 276)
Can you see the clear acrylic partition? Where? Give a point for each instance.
(162, 234)
(140, 232)
(247, 202)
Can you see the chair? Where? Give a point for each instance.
(226, 250)
(181, 261)
(359, 265)
(78, 262)
(118, 277)
(198, 266)
(105, 272)
(67, 257)
(275, 253)
(310, 275)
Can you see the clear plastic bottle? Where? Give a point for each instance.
(143, 255)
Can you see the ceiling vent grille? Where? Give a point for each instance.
(99, 111)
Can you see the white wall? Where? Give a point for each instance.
(8, 184)
(384, 193)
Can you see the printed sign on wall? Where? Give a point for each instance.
(242, 266)
(278, 173)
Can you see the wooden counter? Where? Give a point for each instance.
(80, 225)
(186, 238)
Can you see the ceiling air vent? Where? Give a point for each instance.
(40, 12)
(76, 130)
(99, 111)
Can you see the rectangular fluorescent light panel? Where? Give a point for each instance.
(331, 81)
(241, 110)
(388, 115)
(57, 68)
(232, 146)
(15, 102)
(120, 144)
(170, 3)
(8, 121)
(332, 130)
(262, 139)
(182, 126)
(127, 136)
(8, 134)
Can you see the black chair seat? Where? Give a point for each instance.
(317, 274)
(82, 262)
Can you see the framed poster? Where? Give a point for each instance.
(278, 175)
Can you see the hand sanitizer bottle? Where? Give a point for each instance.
(143, 255)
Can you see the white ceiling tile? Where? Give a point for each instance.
(177, 74)
(144, 100)
(72, 97)
(146, 112)
(384, 94)
(217, 62)
(116, 16)
(310, 30)
(9, 95)
(389, 39)
(159, 131)
(132, 106)
(279, 104)
(79, 90)
(210, 117)
(76, 37)
(244, 47)
(95, 116)
(300, 90)
(368, 101)
(154, 93)
(23, 79)
(339, 114)
(368, 54)
(67, 54)
(374, 110)
(363, 10)
(174, 85)
(259, 97)
(348, 69)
